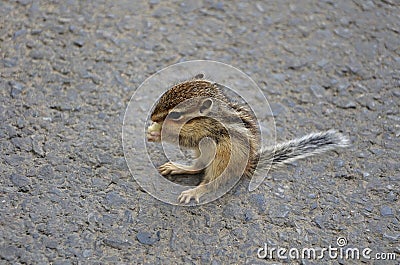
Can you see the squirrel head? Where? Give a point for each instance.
(182, 111)
(182, 92)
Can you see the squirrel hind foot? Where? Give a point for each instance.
(195, 193)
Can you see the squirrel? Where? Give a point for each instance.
(196, 114)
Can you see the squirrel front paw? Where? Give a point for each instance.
(170, 168)
(176, 169)
(154, 132)
(154, 136)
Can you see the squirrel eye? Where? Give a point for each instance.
(174, 115)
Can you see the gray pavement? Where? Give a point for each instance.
(69, 68)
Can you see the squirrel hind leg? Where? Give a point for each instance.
(197, 192)
(202, 188)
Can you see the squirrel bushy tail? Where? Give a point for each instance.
(308, 145)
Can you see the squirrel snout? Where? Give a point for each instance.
(154, 132)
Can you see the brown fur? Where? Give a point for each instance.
(242, 139)
(225, 140)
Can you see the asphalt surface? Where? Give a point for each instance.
(69, 68)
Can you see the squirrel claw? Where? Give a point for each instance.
(169, 168)
(187, 195)
(153, 137)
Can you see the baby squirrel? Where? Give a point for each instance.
(210, 115)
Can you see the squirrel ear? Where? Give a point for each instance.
(206, 106)
(199, 76)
